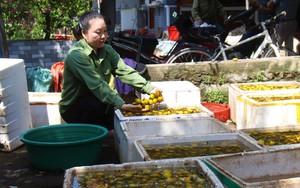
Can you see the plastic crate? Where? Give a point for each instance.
(235, 91)
(253, 114)
(264, 168)
(141, 154)
(71, 180)
(129, 131)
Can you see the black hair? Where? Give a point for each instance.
(83, 23)
(84, 19)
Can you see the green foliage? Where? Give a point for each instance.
(27, 19)
(259, 76)
(216, 96)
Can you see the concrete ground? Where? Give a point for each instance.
(17, 172)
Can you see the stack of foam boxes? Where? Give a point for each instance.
(14, 104)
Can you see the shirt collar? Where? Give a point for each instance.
(89, 50)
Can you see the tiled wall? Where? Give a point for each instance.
(39, 52)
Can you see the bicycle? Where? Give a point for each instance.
(141, 48)
(266, 46)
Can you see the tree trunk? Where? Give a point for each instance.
(3, 42)
(48, 25)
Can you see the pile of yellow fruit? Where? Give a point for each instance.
(263, 87)
(147, 103)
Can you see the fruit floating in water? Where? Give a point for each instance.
(187, 176)
(270, 138)
(194, 149)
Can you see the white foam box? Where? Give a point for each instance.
(204, 112)
(71, 175)
(235, 91)
(265, 169)
(14, 105)
(180, 92)
(140, 153)
(273, 129)
(253, 114)
(44, 108)
(129, 131)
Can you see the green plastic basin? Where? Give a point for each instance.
(58, 147)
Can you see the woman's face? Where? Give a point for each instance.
(96, 35)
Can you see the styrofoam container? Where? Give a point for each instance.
(273, 129)
(265, 169)
(129, 131)
(71, 180)
(140, 153)
(252, 114)
(14, 105)
(44, 108)
(204, 112)
(180, 92)
(235, 91)
(8, 109)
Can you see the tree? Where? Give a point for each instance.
(3, 48)
(27, 19)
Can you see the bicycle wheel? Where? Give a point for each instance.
(283, 52)
(188, 55)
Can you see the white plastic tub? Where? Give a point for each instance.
(129, 131)
(71, 180)
(265, 169)
(204, 112)
(141, 154)
(273, 129)
(235, 91)
(253, 114)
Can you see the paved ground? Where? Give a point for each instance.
(16, 171)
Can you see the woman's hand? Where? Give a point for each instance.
(131, 108)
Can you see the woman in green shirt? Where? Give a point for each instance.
(88, 95)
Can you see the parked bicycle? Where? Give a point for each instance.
(141, 49)
(259, 45)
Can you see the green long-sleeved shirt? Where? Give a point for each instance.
(87, 73)
(207, 10)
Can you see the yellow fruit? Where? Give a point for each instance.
(160, 99)
(150, 101)
(152, 96)
(138, 101)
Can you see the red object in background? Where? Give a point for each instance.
(62, 37)
(221, 111)
(173, 33)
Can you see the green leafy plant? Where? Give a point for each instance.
(259, 76)
(27, 19)
(216, 96)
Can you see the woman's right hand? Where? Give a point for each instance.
(131, 108)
